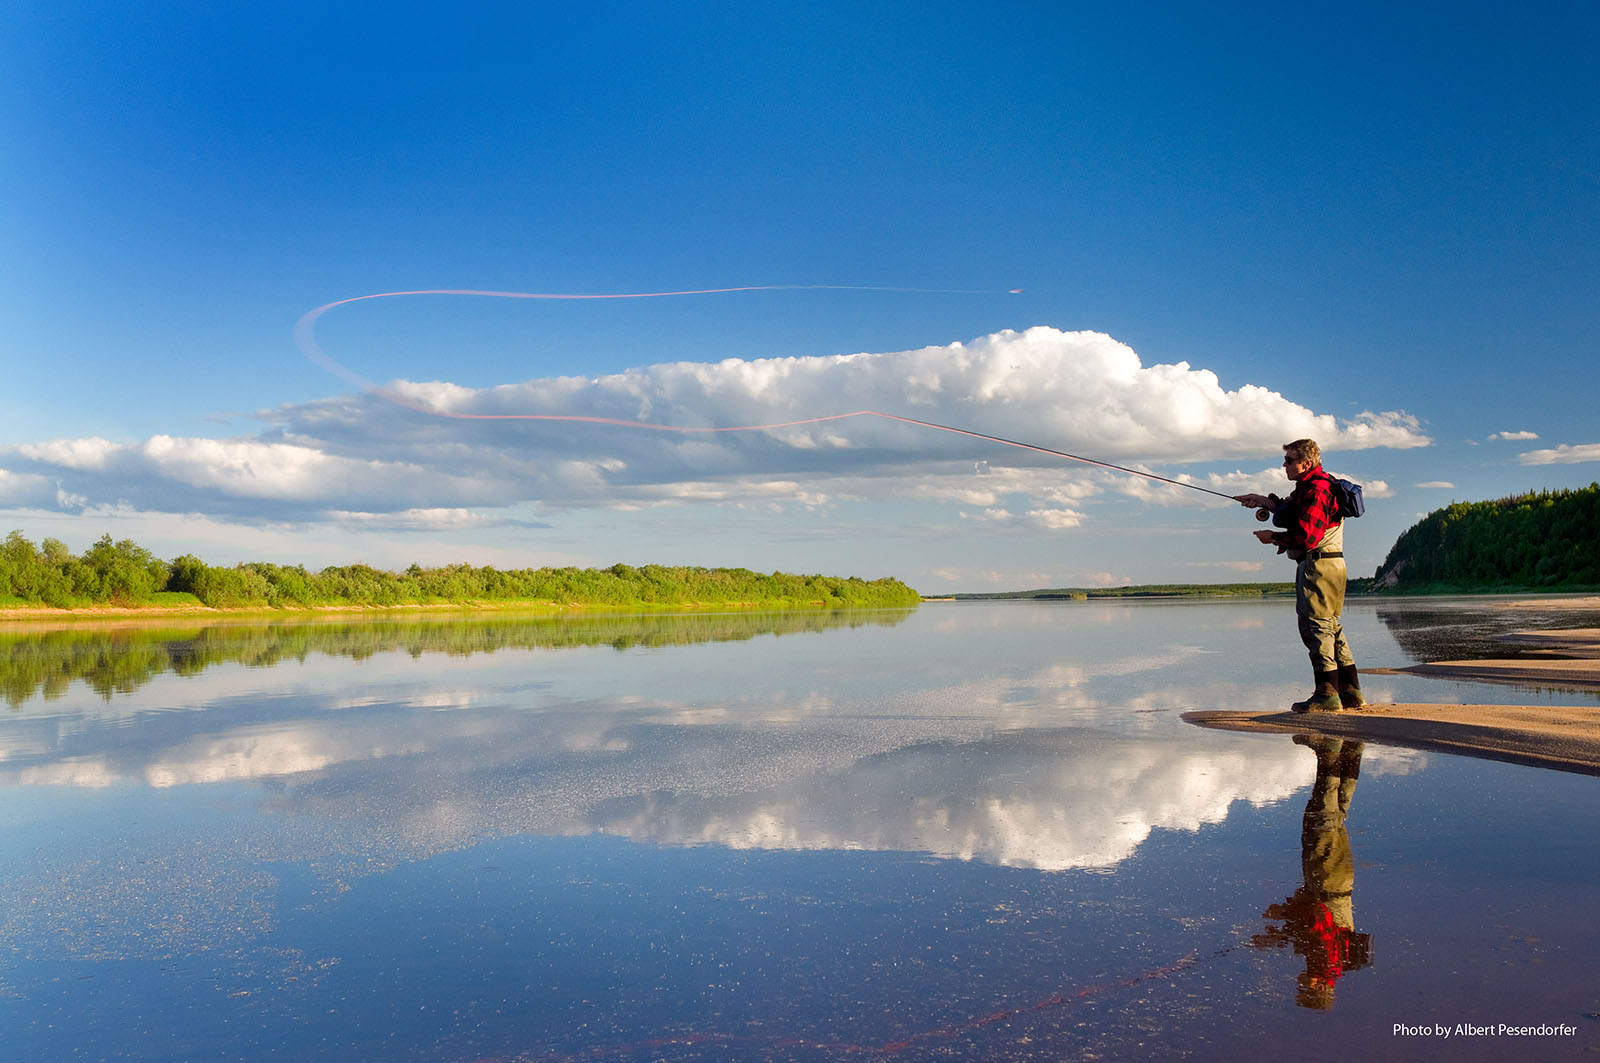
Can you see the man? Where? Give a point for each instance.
(1313, 537)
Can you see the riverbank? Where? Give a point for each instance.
(44, 616)
(95, 614)
(1563, 737)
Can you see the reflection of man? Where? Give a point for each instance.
(1319, 919)
(1313, 536)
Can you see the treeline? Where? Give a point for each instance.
(124, 573)
(1541, 540)
(121, 660)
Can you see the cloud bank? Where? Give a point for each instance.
(445, 451)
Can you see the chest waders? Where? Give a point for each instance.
(1319, 586)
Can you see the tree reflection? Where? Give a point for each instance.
(122, 659)
(1456, 631)
(1318, 919)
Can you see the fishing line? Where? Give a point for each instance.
(305, 328)
(1047, 450)
(305, 337)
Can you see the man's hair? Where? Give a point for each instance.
(1305, 450)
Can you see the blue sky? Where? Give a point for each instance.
(1232, 224)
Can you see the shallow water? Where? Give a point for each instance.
(977, 831)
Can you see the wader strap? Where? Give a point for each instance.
(1318, 555)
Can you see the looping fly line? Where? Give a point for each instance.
(305, 337)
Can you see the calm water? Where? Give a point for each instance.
(972, 832)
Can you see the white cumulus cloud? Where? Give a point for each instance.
(91, 453)
(1564, 454)
(1235, 566)
(1055, 519)
(441, 449)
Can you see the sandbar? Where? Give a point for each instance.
(1564, 737)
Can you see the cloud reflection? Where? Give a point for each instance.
(1042, 801)
(950, 773)
(167, 810)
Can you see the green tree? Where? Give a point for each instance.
(123, 571)
(1538, 539)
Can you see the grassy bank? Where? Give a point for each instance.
(181, 608)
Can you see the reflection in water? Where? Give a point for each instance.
(862, 843)
(1462, 629)
(418, 767)
(1319, 917)
(435, 827)
(1052, 801)
(121, 659)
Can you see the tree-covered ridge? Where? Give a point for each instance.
(123, 659)
(125, 573)
(1542, 539)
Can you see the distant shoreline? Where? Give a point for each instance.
(1532, 599)
(1143, 590)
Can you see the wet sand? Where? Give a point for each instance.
(1562, 658)
(1562, 737)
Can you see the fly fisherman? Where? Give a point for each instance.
(1313, 536)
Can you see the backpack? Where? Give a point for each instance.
(1347, 497)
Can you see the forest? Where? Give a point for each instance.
(1541, 540)
(126, 574)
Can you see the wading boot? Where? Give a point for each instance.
(1325, 698)
(1350, 687)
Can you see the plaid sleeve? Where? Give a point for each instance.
(1311, 513)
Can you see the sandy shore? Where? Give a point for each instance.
(1586, 602)
(1562, 737)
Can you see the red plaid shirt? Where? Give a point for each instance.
(1308, 513)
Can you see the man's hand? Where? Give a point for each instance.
(1255, 501)
(1265, 537)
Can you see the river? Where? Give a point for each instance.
(973, 831)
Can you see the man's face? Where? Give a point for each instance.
(1294, 466)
